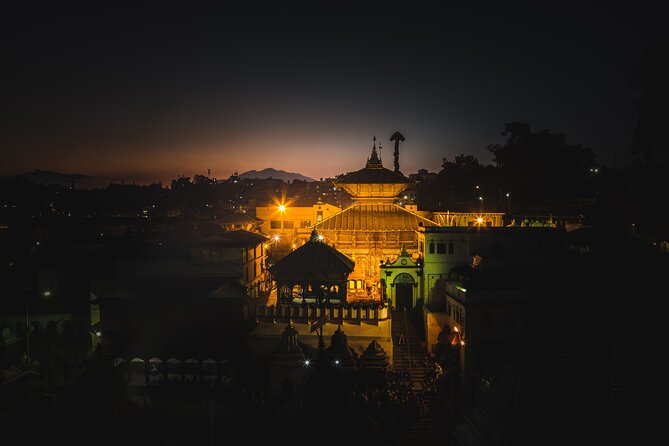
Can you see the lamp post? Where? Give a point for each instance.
(508, 202)
(481, 200)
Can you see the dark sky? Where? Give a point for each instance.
(150, 93)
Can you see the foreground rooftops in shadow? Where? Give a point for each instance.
(233, 239)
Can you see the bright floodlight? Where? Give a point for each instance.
(479, 220)
(276, 238)
(307, 362)
(47, 293)
(282, 208)
(320, 237)
(337, 361)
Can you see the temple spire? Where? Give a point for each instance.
(374, 160)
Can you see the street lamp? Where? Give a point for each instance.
(481, 200)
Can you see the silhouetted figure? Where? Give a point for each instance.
(401, 340)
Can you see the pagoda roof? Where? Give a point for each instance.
(314, 260)
(374, 218)
(374, 175)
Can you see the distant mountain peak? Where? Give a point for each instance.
(274, 173)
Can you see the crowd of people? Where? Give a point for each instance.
(391, 408)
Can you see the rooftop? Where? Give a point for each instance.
(374, 217)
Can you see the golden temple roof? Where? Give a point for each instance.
(374, 217)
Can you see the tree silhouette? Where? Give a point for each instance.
(539, 167)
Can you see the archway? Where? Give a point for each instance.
(404, 284)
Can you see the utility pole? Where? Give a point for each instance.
(27, 337)
(211, 422)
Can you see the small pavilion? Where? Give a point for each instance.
(313, 273)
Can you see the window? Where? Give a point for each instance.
(441, 248)
(288, 224)
(319, 216)
(275, 224)
(450, 247)
(305, 223)
(431, 248)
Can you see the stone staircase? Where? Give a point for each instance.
(410, 356)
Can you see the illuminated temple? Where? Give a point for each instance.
(373, 228)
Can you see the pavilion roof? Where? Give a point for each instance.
(314, 260)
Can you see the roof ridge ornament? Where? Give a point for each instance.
(374, 161)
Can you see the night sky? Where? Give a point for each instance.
(150, 93)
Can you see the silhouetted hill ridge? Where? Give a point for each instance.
(274, 173)
(50, 177)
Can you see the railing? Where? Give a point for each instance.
(311, 312)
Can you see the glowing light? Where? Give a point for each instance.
(508, 194)
(455, 329)
(320, 237)
(276, 238)
(47, 293)
(98, 333)
(307, 362)
(481, 198)
(282, 208)
(294, 246)
(479, 220)
(462, 342)
(337, 361)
